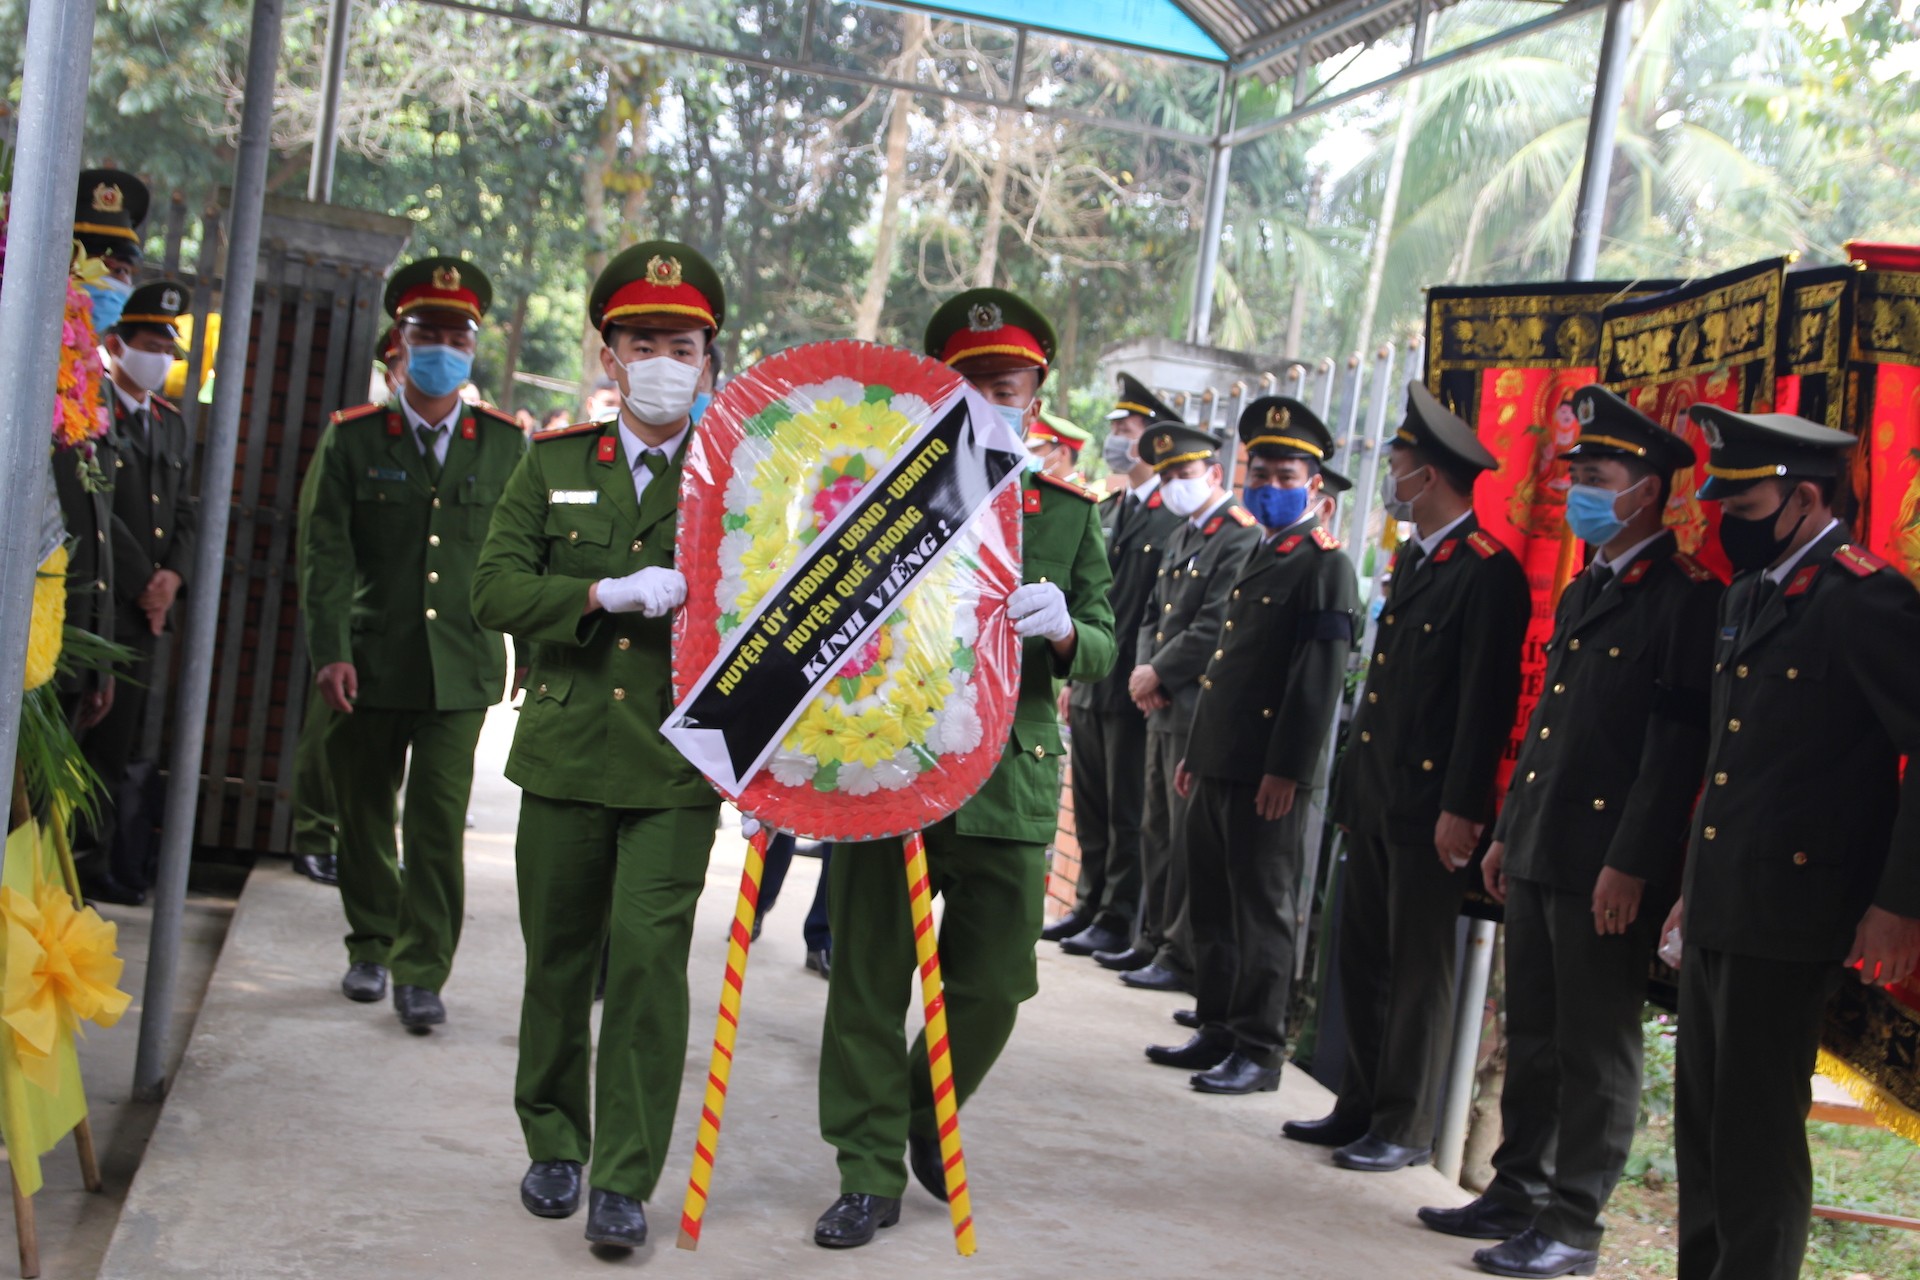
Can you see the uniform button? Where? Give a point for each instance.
(118, 463)
(1148, 547)
(1039, 752)
(1613, 652)
(1710, 832)
(1162, 574)
(1741, 671)
(100, 585)
(1365, 736)
(436, 504)
(1720, 779)
(102, 535)
(1167, 609)
(1426, 766)
(1560, 688)
(1427, 627)
(1574, 645)
(1379, 659)
(432, 614)
(156, 497)
(1205, 683)
(1718, 667)
(619, 695)
(573, 535)
(1599, 805)
(1219, 653)
(159, 533)
(1159, 637)
(433, 576)
(1547, 732)
(1388, 619)
(1733, 726)
(543, 689)
(1793, 673)
(1800, 858)
(1266, 713)
(1193, 573)
(1266, 599)
(638, 543)
(1531, 775)
(1236, 590)
(433, 539)
(625, 643)
(1229, 620)
(1372, 696)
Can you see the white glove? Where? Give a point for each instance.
(654, 592)
(1040, 609)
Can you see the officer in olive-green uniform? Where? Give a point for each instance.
(1175, 640)
(1586, 855)
(1110, 732)
(615, 825)
(1265, 707)
(988, 859)
(392, 514)
(1416, 788)
(1805, 848)
(153, 537)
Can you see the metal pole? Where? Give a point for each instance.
(1468, 1011)
(33, 302)
(1216, 215)
(1596, 170)
(203, 601)
(333, 70)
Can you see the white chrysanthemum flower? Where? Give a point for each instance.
(912, 407)
(896, 773)
(845, 390)
(742, 494)
(751, 452)
(858, 779)
(791, 769)
(959, 726)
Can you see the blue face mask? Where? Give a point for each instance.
(701, 400)
(438, 371)
(1277, 508)
(1590, 513)
(109, 300)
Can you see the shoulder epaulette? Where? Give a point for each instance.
(358, 411)
(498, 414)
(1240, 515)
(1484, 546)
(1079, 491)
(163, 402)
(1324, 540)
(561, 433)
(1858, 561)
(1694, 569)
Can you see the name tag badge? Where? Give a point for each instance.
(573, 497)
(387, 473)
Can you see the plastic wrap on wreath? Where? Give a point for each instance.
(849, 529)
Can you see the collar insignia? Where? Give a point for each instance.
(1802, 580)
(1445, 551)
(1287, 544)
(1635, 572)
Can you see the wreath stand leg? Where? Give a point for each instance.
(946, 1110)
(27, 1228)
(726, 1029)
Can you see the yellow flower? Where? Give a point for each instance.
(49, 619)
(870, 737)
(817, 733)
(61, 969)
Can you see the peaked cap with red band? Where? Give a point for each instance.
(658, 284)
(1049, 426)
(439, 284)
(990, 322)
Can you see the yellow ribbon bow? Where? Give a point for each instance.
(61, 970)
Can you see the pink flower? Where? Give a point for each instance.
(861, 662)
(828, 502)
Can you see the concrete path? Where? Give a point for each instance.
(310, 1137)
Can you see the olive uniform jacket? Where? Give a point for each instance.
(1178, 636)
(156, 521)
(1805, 821)
(387, 557)
(1611, 762)
(1062, 544)
(1441, 690)
(600, 684)
(1136, 535)
(1270, 691)
(89, 521)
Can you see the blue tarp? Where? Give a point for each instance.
(1158, 25)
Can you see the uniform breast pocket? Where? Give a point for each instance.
(578, 538)
(384, 508)
(1035, 770)
(473, 506)
(1793, 678)
(1045, 569)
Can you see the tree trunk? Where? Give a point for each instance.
(996, 198)
(517, 327)
(1297, 312)
(866, 322)
(1389, 210)
(1490, 1078)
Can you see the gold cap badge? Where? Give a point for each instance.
(1711, 430)
(1280, 419)
(1583, 410)
(664, 272)
(107, 198)
(1163, 444)
(985, 318)
(170, 301)
(446, 277)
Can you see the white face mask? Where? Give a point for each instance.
(1185, 497)
(660, 390)
(145, 369)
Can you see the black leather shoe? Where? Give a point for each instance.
(821, 962)
(98, 886)
(1066, 926)
(1377, 1155)
(551, 1188)
(1205, 1050)
(365, 982)
(1328, 1131)
(1123, 961)
(851, 1221)
(923, 1157)
(1187, 1018)
(1239, 1074)
(1156, 977)
(1532, 1254)
(615, 1220)
(420, 1010)
(321, 868)
(1094, 938)
(1481, 1219)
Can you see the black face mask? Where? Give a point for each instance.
(1750, 544)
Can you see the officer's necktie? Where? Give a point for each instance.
(1762, 593)
(1415, 557)
(654, 462)
(429, 450)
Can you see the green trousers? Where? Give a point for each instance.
(628, 878)
(873, 1089)
(408, 921)
(316, 823)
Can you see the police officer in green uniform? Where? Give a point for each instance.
(1109, 731)
(1805, 848)
(1416, 787)
(988, 859)
(1174, 643)
(1586, 854)
(615, 825)
(392, 514)
(153, 540)
(1266, 704)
